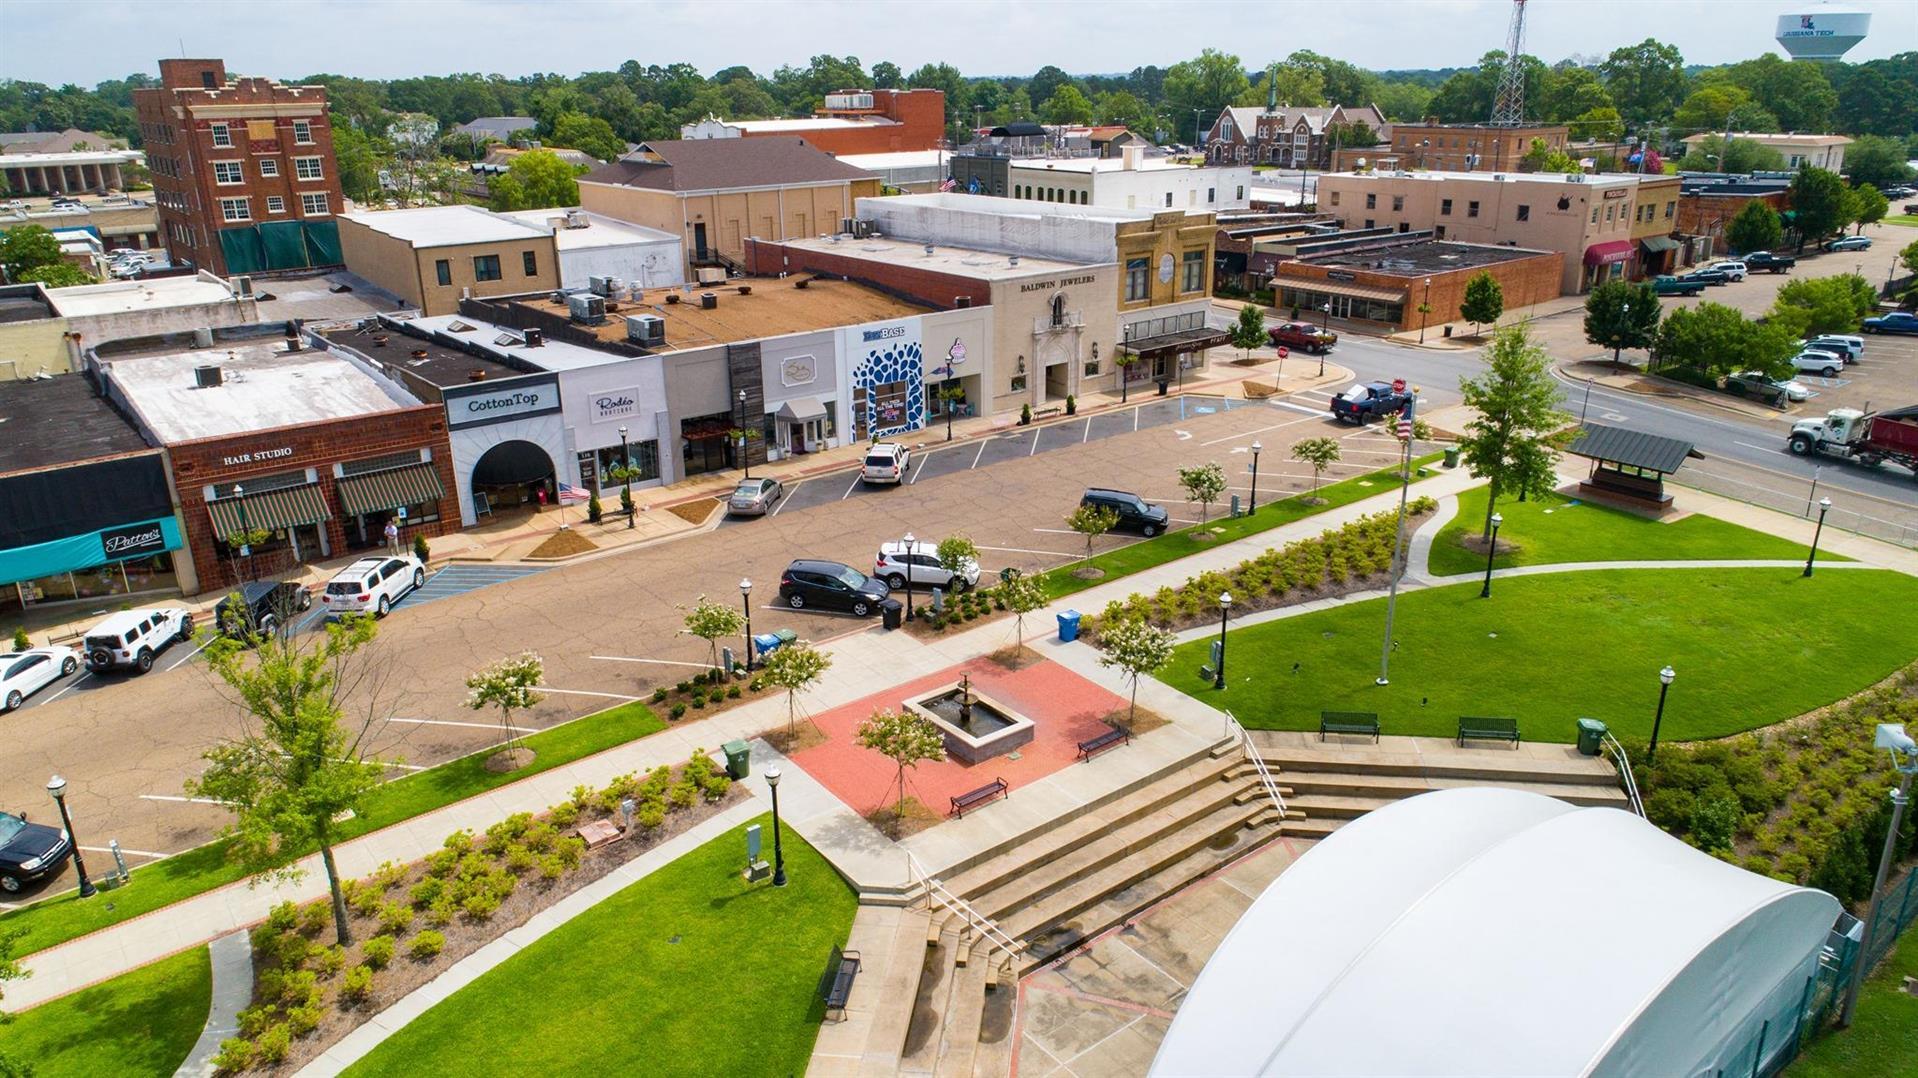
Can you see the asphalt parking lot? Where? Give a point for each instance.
(1885, 376)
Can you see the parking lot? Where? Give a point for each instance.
(1885, 376)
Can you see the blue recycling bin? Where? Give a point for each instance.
(1069, 626)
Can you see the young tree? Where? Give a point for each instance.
(1203, 483)
(1320, 453)
(1876, 160)
(535, 180)
(1754, 228)
(57, 275)
(795, 668)
(1249, 331)
(956, 553)
(1620, 315)
(1023, 595)
(1908, 257)
(1137, 647)
(905, 738)
(1512, 440)
(1542, 157)
(297, 765)
(1818, 199)
(1829, 304)
(1866, 205)
(1067, 105)
(25, 247)
(712, 621)
(509, 685)
(1483, 302)
(1092, 521)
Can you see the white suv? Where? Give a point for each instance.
(133, 637)
(927, 571)
(373, 584)
(886, 463)
(1813, 361)
(1730, 267)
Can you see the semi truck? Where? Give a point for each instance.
(1870, 438)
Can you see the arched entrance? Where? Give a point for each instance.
(511, 474)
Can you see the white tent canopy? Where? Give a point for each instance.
(1486, 931)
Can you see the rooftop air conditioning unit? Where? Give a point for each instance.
(576, 219)
(646, 329)
(587, 310)
(206, 377)
(600, 286)
(708, 300)
(847, 224)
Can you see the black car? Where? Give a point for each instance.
(260, 606)
(829, 585)
(1135, 513)
(1709, 276)
(29, 851)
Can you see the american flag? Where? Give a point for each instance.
(570, 493)
(1405, 425)
(949, 184)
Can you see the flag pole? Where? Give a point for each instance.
(1398, 544)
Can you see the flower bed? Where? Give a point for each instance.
(412, 922)
(701, 695)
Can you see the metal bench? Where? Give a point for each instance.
(1349, 722)
(844, 970)
(993, 790)
(1092, 746)
(1482, 729)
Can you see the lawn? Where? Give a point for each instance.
(1908, 219)
(689, 971)
(203, 868)
(1557, 529)
(143, 1022)
(1179, 543)
(1750, 647)
(1880, 1041)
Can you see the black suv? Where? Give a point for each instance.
(1135, 513)
(260, 606)
(829, 585)
(29, 851)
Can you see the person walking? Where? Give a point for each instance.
(392, 536)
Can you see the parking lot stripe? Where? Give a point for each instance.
(1035, 441)
(587, 692)
(662, 662)
(70, 686)
(1257, 430)
(1135, 420)
(785, 497)
(476, 725)
(851, 486)
(1027, 550)
(1087, 436)
(981, 453)
(1298, 408)
(188, 657)
(187, 800)
(123, 849)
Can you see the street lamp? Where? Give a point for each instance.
(745, 461)
(246, 545)
(57, 786)
(1491, 549)
(1824, 506)
(626, 478)
(1255, 478)
(1225, 608)
(1904, 759)
(910, 546)
(746, 600)
(1665, 677)
(779, 855)
(1425, 309)
(1328, 328)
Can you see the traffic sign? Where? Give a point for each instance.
(1283, 352)
(1398, 385)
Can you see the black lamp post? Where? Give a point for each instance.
(1425, 309)
(1491, 549)
(746, 601)
(1225, 608)
(911, 546)
(246, 544)
(1824, 506)
(1665, 677)
(745, 461)
(1255, 478)
(1328, 328)
(779, 855)
(57, 786)
(626, 477)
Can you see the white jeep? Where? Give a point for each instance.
(134, 637)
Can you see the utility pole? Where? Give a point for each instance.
(1508, 108)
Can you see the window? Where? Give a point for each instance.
(1368, 222)
(307, 168)
(1524, 212)
(1594, 214)
(222, 136)
(1335, 198)
(314, 205)
(235, 209)
(1092, 368)
(1192, 271)
(269, 167)
(1608, 212)
(1398, 203)
(486, 267)
(1136, 275)
(1241, 195)
(1371, 202)
(228, 172)
(303, 132)
(645, 457)
(1669, 207)
(443, 272)
(1471, 209)
(1211, 195)
(275, 204)
(1168, 199)
(1445, 207)
(529, 260)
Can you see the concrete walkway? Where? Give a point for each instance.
(232, 956)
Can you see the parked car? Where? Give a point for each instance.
(136, 637)
(373, 584)
(754, 497)
(1765, 260)
(261, 606)
(1667, 285)
(1761, 387)
(1135, 513)
(1813, 361)
(1304, 336)
(830, 585)
(926, 568)
(1895, 322)
(1366, 401)
(23, 673)
(1708, 276)
(886, 462)
(1850, 243)
(1850, 347)
(1730, 267)
(29, 851)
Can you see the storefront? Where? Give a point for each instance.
(799, 375)
(508, 442)
(1348, 302)
(1607, 261)
(614, 410)
(87, 533)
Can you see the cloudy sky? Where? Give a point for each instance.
(84, 41)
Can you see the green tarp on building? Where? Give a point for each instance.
(242, 250)
(285, 245)
(323, 243)
(281, 245)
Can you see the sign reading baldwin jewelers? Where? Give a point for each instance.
(501, 402)
(133, 541)
(615, 404)
(1063, 282)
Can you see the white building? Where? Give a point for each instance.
(591, 245)
(1130, 181)
(1799, 148)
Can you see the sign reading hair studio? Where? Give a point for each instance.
(133, 541)
(501, 402)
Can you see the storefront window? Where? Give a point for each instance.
(645, 457)
(1136, 273)
(152, 573)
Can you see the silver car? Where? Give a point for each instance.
(754, 497)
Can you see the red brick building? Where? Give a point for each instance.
(244, 176)
(850, 122)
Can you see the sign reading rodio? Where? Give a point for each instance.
(615, 404)
(502, 401)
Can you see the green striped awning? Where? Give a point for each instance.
(270, 509)
(376, 492)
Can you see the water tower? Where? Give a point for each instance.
(1822, 32)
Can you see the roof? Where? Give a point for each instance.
(810, 123)
(775, 307)
(1596, 944)
(12, 142)
(1772, 139)
(1634, 449)
(1019, 129)
(441, 364)
(447, 226)
(24, 303)
(897, 159)
(498, 350)
(146, 294)
(723, 163)
(264, 387)
(1418, 259)
(321, 297)
(598, 232)
(1013, 207)
(973, 262)
(501, 127)
(59, 420)
(1600, 180)
(1112, 164)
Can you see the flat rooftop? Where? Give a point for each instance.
(1418, 259)
(958, 261)
(1007, 207)
(23, 303)
(897, 159)
(59, 420)
(811, 123)
(447, 226)
(503, 348)
(1107, 164)
(1559, 179)
(323, 297)
(774, 308)
(265, 386)
(426, 358)
(599, 231)
(150, 294)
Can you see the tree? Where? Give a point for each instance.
(1297, 86)
(1568, 91)
(1835, 304)
(957, 553)
(1542, 157)
(795, 668)
(1512, 439)
(588, 134)
(711, 621)
(1908, 257)
(1320, 453)
(1620, 315)
(1023, 595)
(1817, 204)
(1207, 83)
(536, 179)
(1878, 161)
(1137, 647)
(1092, 521)
(1742, 155)
(905, 738)
(1126, 110)
(1203, 483)
(58, 275)
(1645, 80)
(290, 778)
(1249, 331)
(1712, 104)
(358, 155)
(1047, 81)
(509, 685)
(26, 247)
(1067, 105)
(886, 76)
(1712, 340)
(1866, 205)
(1798, 95)
(1484, 300)
(1603, 124)
(1755, 228)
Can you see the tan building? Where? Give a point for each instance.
(1588, 219)
(1799, 150)
(715, 193)
(1451, 147)
(1655, 226)
(434, 255)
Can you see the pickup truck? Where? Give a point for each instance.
(1765, 260)
(1870, 438)
(1668, 285)
(1366, 401)
(1895, 322)
(1304, 336)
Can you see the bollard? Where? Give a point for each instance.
(1235, 507)
(938, 600)
(626, 807)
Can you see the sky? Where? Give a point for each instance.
(86, 41)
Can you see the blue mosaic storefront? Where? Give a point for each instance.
(888, 380)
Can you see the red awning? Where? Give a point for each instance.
(1604, 254)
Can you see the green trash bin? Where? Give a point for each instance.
(739, 762)
(1591, 733)
(1451, 456)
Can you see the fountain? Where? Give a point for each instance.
(976, 727)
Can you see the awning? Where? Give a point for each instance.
(389, 489)
(1604, 254)
(1336, 288)
(1183, 341)
(270, 509)
(1633, 449)
(800, 409)
(1660, 244)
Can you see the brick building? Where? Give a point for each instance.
(1707, 203)
(849, 122)
(243, 169)
(1382, 280)
(1453, 147)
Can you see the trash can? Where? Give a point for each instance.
(1068, 626)
(1590, 733)
(739, 761)
(1451, 456)
(894, 613)
(1163, 386)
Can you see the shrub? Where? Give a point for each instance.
(570, 850)
(683, 794)
(540, 837)
(427, 891)
(301, 1021)
(564, 814)
(442, 862)
(267, 984)
(427, 944)
(519, 858)
(480, 905)
(389, 875)
(699, 702)
(460, 842)
(683, 687)
(678, 710)
(395, 917)
(659, 695)
(442, 910)
(378, 951)
(281, 918)
(293, 950)
(331, 960)
(756, 684)
(274, 1043)
(367, 901)
(299, 988)
(254, 1020)
(732, 692)
(357, 983)
(551, 867)
(650, 815)
(235, 1055)
(582, 797)
(316, 917)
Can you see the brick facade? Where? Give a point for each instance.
(921, 116)
(1524, 279)
(1708, 214)
(931, 287)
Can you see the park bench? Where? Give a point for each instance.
(1481, 729)
(839, 977)
(1042, 413)
(1349, 722)
(973, 798)
(1095, 745)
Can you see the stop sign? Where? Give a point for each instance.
(1398, 385)
(1283, 352)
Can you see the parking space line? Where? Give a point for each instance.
(1299, 408)
(1027, 550)
(1135, 418)
(1056, 531)
(69, 687)
(1087, 436)
(587, 692)
(981, 453)
(784, 498)
(1035, 441)
(187, 800)
(123, 849)
(189, 655)
(1255, 430)
(851, 487)
(475, 725)
(662, 662)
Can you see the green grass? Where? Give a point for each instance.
(203, 868)
(1180, 543)
(1880, 1041)
(1907, 219)
(689, 971)
(143, 1022)
(1750, 647)
(1556, 529)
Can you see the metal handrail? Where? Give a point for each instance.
(1258, 764)
(1625, 778)
(975, 921)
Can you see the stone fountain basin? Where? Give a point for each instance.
(976, 746)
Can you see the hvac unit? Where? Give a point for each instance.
(847, 224)
(600, 286)
(646, 329)
(614, 286)
(587, 310)
(576, 219)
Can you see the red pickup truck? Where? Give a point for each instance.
(1304, 336)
